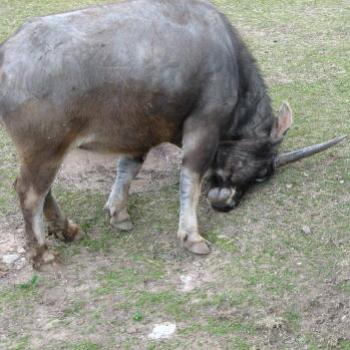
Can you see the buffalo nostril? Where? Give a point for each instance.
(213, 194)
(225, 194)
(220, 194)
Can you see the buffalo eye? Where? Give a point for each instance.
(262, 175)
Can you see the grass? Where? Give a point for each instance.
(20, 292)
(267, 284)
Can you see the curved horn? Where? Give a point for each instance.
(293, 156)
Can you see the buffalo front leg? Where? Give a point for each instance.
(198, 150)
(127, 169)
(190, 188)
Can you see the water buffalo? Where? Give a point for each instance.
(124, 78)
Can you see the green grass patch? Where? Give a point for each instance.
(31, 284)
(115, 280)
(217, 326)
(344, 344)
(173, 304)
(345, 287)
(22, 344)
(292, 317)
(74, 310)
(85, 345)
(21, 292)
(138, 316)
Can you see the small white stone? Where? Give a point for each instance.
(162, 331)
(187, 283)
(21, 250)
(9, 259)
(306, 229)
(289, 186)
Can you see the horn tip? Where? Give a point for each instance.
(339, 139)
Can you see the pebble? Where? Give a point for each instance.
(9, 259)
(162, 331)
(21, 250)
(306, 229)
(187, 283)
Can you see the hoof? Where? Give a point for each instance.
(125, 225)
(44, 259)
(51, 266)
(71, 232)
(200, 247)
(120, 220)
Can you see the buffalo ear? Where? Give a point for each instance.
(284, 121)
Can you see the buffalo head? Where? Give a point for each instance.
(239, 164)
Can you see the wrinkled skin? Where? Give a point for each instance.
(239, 164)
(234, 171)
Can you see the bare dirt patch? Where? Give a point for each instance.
(87, 170)
(327, 312)
(13, 265)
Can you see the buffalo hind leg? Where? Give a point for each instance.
(127, 169)
(32, 187)
(58, 225)
(199, 145)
